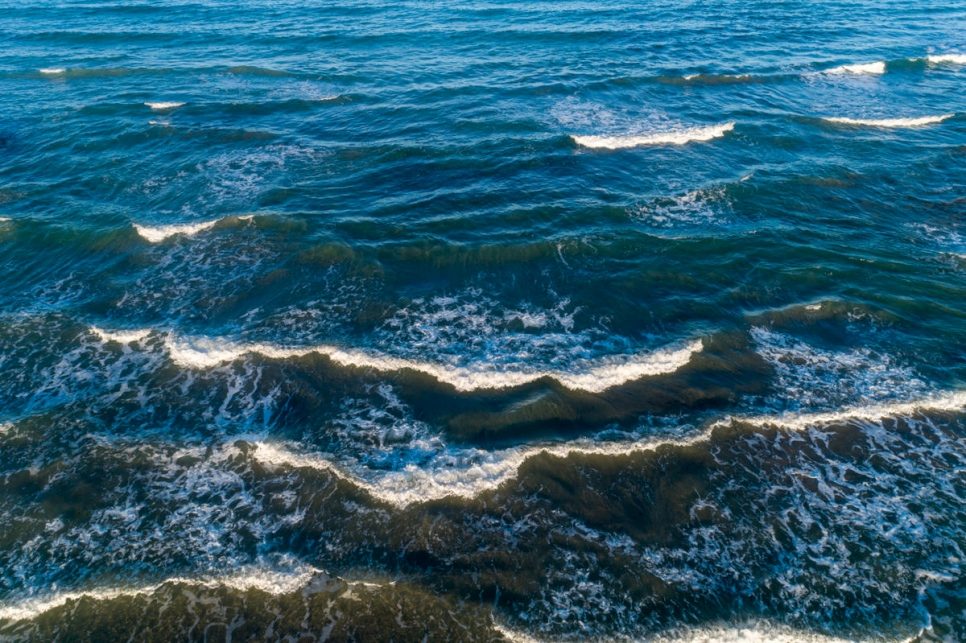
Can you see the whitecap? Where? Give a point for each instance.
(157, 234)
(674, 137)
(952, 59)
(164, 105)
(52, 71)
(877, 67)
(919, 121)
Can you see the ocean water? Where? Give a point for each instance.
(482, 320)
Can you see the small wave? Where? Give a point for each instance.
(677, 137)
(164, 105)
(946, 59)
(877, 67)
(157, 234)
(890, 122)
(52, 71)
(266, 580)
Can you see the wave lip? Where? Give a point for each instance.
(946, 59)
(675, 137)
(52, 71)
(596, 378)
(157, 234)
(919, 121)
(877, 67)
(162, 106)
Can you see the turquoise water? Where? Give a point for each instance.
(482, 321)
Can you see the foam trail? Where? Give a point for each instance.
(891, 122)
(878, 67)
(596, 378)
(164, 105)
(157, 234)
(953, 59)
(491, 469)
(266, 580)
(678, 137)
(52, 71)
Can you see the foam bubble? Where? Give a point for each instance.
(52, 71)
(164, 105)
(675, 137)
(157, 234)
(877, 67)
(891, 122)
(953, 59)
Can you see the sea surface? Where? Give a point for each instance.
(482, 321)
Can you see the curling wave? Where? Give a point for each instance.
(157, 234)
(479, 470)
(676, 137)
(596, 377)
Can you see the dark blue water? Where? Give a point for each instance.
(482, 321)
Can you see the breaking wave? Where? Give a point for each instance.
(591, 376)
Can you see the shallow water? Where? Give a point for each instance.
(548, 320)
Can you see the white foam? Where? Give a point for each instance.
(595, 378)
(676, 137)
(891, 122)
(940, 59)
(52, 71)
(4, 219)
(164, 105)
(122, 337)
(266, 580)
(157, 234)
(877, 67)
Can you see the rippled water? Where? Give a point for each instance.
(482, 321)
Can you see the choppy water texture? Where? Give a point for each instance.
(482, 321)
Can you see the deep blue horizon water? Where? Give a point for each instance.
(482, 321)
